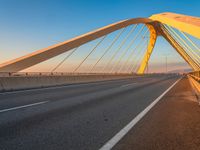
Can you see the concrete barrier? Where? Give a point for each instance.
(28, 82)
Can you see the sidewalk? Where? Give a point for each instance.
(173, 124)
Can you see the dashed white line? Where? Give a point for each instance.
(113, 141)
(130, 84)
(24, 106)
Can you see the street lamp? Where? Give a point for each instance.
(166, 62)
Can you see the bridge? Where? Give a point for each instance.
(107, 99)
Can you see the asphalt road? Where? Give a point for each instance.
(172, 124)
(75, 117)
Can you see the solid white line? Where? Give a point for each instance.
(24, 106)
(113, 141)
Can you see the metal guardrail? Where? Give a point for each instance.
(30, 74)
(195, 82)
(24, 74)
(195, 75)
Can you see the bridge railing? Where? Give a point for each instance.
(34, 74)
(195, 75)
(23, 74)
(195, 82)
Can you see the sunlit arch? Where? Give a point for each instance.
(156, 26)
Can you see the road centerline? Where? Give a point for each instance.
(130, 84)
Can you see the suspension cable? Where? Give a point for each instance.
(133, 51)
(136, 67)
(89, 53)
(108, 49)
(140, 49)
(132, 30)
(118, 49)
(186, 45)
(129, 46)
(59, 64)
(186, 56)
(193, 62)
(193, 58)
(190, 40)
(125, 51)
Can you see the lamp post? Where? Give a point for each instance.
(166, 62)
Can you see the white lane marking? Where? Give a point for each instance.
(128, 84)
(24, 106)
(113, 141)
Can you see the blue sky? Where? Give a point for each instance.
(29, 25)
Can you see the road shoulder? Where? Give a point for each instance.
(174, 123)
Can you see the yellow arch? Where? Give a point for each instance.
(188, 24)
(179, 49)
(52, 51)
(152, 41)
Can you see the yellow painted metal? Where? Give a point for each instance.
(178, 48)
(194, 81)
(185, 43)
(125, 65)
(188, 24)
(190, 41)
(52, 51)
(195, 75)
(152, 41)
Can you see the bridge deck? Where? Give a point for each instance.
(87, 116)
(174, 123)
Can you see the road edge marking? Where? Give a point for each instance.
(114, 140)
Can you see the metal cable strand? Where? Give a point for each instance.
(120, 46)
(175, 36)
(132, 30)
(190, 41)
(136, 67)
(125, 51)
(133, 51)
(59, 64)
(184, 43)
(108, 49)
(192, 51)
(129, 47)
(140, 49)
(192, 63)
(89, 53)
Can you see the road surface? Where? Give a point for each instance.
(172, 124)
(79, 116)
